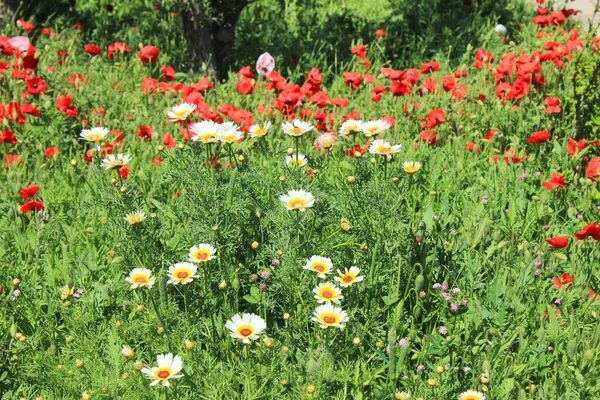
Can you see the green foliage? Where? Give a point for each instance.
(462, 221)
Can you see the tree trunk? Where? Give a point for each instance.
(5, 7)
(210, 37)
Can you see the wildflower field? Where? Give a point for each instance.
(357, 211)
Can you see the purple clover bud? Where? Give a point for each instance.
(275, 262)
(265, 275)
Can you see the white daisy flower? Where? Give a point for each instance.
(168, 368)
(246, 327)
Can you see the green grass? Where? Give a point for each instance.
(462, 220)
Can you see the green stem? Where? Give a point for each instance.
(162, 322)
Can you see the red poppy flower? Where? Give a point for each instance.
(93, 49)
(589, 230)
(558, 242)
(399, 88)
(342, 103)
(156, 161)
(352, 80)
(429, 67)
(539, 137)
(448, 83)
(12, 159)
(63, 103)
(246, 72)
(32, 206)
(360, 51)
(565, 279)
(429, 137)
(149, 54)
(35, 85)
(380, 33)
(145, 133)
(8, 137)
(117, 47)
(77, 79)
(552, 105)
(555, 181)
(357, 151)
(51, 152)
(29, 191)
(573, 147)
(434, 118)
(168, 73)
(150, 86)
(169, 141)
(593, 168)
(124, 172)
(245, 86)
(471, 147)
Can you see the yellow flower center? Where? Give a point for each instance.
(201, 255)
(230, 138)
(245, 330)
(208, 137)
(260, 131)
(319, 267)
(295, 131)
(163, 373)
(94, 137)
(140, 279)
(297, 203)
(384, 150)
(329, 319)
(347, 278)
(328, 294)
(471, 397)
(182, 273)
(372, 130)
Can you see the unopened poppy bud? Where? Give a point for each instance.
(181, 146)
(356, 340)
(241, 158)
(439, 369)
(69, 339)
(350, 179)
(290, 151)
(79, 363)
(222, 285)
(160, 147)
(138, 365)
(113, 181)
(364, 246)
(160, 329)
(189, 345)
(431, 382)
(310, 388)
(282, 178)
(255, 245)
(16, 281)
(419, 282)
(123, 189)
(286, 316)
(372, 160)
